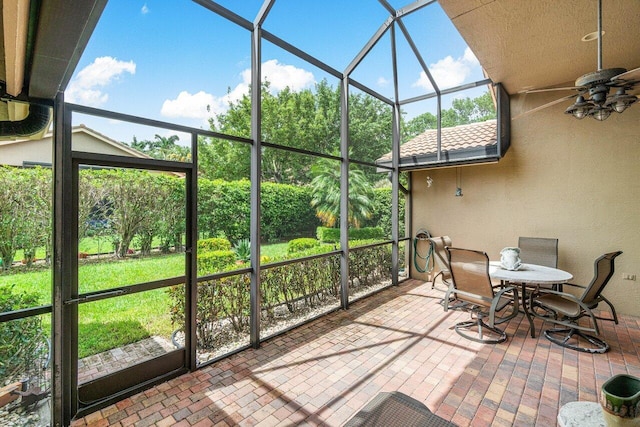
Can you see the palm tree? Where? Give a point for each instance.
(325, 188)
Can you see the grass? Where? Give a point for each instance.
(113, 322)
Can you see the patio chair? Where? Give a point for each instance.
(566, 310)
(438, 245)
(471, 285)
(539, 250)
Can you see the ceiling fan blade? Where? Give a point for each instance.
(631, 75)
(552, 89)
(543, 106)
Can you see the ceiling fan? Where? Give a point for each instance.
(592, 97)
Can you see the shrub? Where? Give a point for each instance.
(366, 233)
(328, 235)
(215, 261)
(332, 235)
(242, 249)
(21, 341)
(213, 244)
(301, 244)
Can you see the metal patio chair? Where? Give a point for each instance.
(471, 285)
(566, 310)
(539, 250)
(438, 245)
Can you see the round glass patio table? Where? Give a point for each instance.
(526, 276)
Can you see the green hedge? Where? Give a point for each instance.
(224, 210)
(332, 235)
(297, 287)
(215, 262)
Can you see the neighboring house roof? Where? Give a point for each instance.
(469, 143)
(25, 152)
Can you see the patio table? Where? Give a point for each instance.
(528, 275)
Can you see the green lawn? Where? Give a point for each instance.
(113, 322)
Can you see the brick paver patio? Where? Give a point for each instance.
(400, 339)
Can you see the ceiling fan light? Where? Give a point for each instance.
(600, 113)
(620, 101)
(580, 109)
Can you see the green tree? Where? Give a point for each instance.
(131, 199)
(303, 119)
(325, 188)
(462, 111)
(163, 148)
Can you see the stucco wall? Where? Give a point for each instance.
(40, 151)
(576, 180)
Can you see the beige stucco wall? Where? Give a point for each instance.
(40, 151)
(578, 181)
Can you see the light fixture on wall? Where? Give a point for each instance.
(429, 181)
(458, 183)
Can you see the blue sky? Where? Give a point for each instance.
(175, 61)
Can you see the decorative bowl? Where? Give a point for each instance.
(620, 400)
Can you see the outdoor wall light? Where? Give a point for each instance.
(458, 183)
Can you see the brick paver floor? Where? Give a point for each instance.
(400, 339)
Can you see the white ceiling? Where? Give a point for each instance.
(528, 44)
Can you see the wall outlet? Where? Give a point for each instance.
(627, 276)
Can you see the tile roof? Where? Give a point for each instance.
(481, 134)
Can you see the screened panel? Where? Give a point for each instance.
(369, 270)
(369, 204)
(370, 127)
(120, 332)
(25, 352)
(140, 60)
(298, 193)
(224, 204)
(222, 317)
(300, 103)
(293, 293)
(131, 227)
(446, 54)
(332, 24)
(376, 68)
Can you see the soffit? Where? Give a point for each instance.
(533, 44)
(59, 32)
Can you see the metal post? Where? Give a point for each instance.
(344, 192)
(256, 174)
(63, 317)
(395, 160)
(191, 239)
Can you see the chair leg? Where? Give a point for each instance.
(479, 336)
(562, 337)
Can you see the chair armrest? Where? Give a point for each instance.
(496, 299)
(585, 310)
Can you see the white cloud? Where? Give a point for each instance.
(470, 57)
(280, 76)
(145, 9)
(191, 106)
(88, 85)
(382, 82)
(449, 72)
(204, 105)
